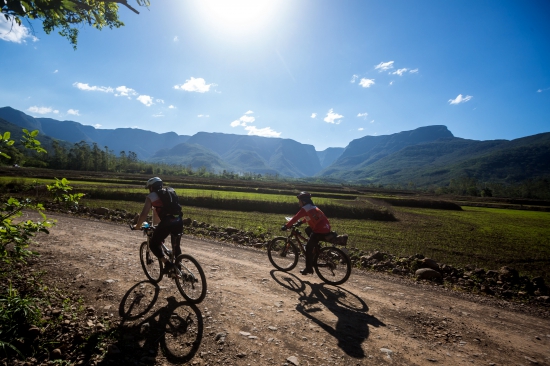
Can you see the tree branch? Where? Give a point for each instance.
(122, 2)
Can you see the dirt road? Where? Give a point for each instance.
(255, 315)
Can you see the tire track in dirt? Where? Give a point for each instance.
(254, 314)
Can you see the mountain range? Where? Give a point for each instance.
(426, 155)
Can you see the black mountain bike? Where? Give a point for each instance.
(331, 264)
(187, 272)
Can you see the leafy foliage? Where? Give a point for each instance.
(18, 234)
(5, 140)
(68, 15)
(15, 312)
(60, 192)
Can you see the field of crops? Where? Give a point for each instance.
(484, 237)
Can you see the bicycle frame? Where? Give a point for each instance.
(148, 231)
(301, 240)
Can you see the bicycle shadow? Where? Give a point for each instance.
(351, 327)
(176, 327)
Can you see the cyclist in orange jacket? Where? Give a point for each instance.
(319, 226)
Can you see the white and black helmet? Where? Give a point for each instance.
(155, 183)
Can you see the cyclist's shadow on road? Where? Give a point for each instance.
(177, 327)
(351, 327)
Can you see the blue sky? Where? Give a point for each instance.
(317, 71)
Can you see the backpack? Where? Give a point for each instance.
(170, 203)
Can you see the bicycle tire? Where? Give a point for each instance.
(283, 254)
(191, 281)
(332, 265)
(152, 266)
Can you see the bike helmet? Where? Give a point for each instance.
(154, 183)
(305, 197)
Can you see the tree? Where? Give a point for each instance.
(68, 15)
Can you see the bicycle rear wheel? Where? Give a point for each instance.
(283, 254)
(152, 266)
(190, 280)
(332, 265)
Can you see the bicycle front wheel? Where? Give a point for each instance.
(332, 265)
(152, 266)
(190, 278)
(283, 254)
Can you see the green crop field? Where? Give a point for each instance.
(483, 237)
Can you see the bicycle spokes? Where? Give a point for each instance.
(333, 266)
(149, 257)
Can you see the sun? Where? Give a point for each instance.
(239, 15)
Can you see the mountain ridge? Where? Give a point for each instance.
(426, 155)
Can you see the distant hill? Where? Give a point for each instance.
(437, 162)
(364, 151)
(425, 156)
(329, 155)
(17, 133)
(143, 143)
(262, 155)
(191, 155)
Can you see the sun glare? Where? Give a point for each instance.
(239, 15)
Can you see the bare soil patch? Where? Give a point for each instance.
(256, 315)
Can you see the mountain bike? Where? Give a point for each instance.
(187, 272)
(331, 264)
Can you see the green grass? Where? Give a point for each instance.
(483, 237)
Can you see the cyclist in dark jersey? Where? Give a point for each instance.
(171, 222)
(319, 226)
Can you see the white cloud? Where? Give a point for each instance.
(123, 91)
(460, 99)
(203, 116)
(10, 31)
(171, 107)
(265, 132)
(145, 99)
(314, 115)
(161, 101)
(360, 129)
(383, 66)
(366, 83)
(333, 117)
(414, 71)
(400, 72)
(372, 121)
(243, 121)
(364, 115)
(73, 112)
(195, 85)
(391, 82)
(176, 39)
(42, 110)
(249, 112)
(86, 87)
(56, 71)
(97, 125)
(158, 115)
(354, 78)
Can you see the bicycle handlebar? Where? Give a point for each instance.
(142, 228)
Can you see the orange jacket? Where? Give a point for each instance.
(315, 218)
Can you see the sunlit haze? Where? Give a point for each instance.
(317, 71)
